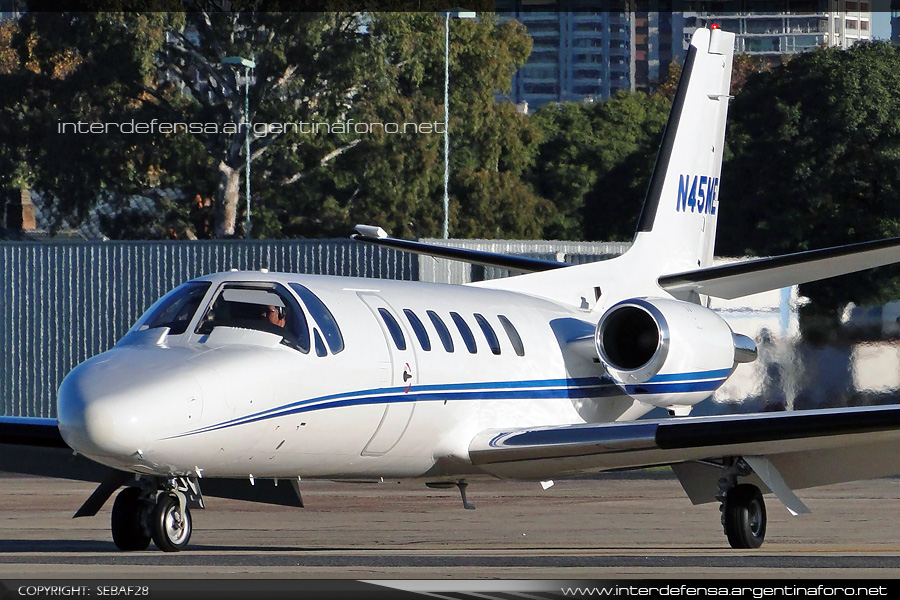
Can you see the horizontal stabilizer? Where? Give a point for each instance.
(754, 276)
(376, 235)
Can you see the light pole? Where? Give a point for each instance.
(247, 64)
(461, 14)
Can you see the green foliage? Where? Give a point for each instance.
(814, 162)
(631, 126)
(396, 179)
(595, 162)
(566, 168)
(311, 68)
(63, 73)
(812, 159)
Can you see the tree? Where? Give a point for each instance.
(566, 169)
(312, 69)
(742, 67)
(814, 161)
(67, 83)
(167, 68)
(396, 179)
(596, 161)
(631, 127)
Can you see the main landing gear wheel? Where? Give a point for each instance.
(128, 520)
(744, 516)
(171, 530)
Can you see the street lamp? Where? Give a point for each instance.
(248, 64)
(460, 14)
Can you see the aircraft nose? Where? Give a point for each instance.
(119, 404)
(92, 410)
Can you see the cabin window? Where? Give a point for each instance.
(393, 328)
(442, 330)
(261, 306)
(465, 332)
(489, 335)
(322, 316)
(176, 309)
(513, 335)
(418, 329)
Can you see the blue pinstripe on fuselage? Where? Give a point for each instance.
(571, 388)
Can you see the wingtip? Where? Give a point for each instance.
(371, 231)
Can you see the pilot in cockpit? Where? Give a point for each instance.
(274, 315)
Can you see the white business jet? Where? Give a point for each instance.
(237, 382)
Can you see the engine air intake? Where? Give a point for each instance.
(629, 338)
(667, 352)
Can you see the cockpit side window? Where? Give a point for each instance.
(320, 345)
(322, 317)
(177, 308)
(261, 306)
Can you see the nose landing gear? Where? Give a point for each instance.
(171, 523)
(130, 521)
(154, 511)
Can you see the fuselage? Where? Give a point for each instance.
(367, 401)
(277, 375)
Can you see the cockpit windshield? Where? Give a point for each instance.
(176, 309)
(321, 315)
(260, 306)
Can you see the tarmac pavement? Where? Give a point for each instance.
(615, 526)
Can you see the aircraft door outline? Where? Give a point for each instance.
(404, 374)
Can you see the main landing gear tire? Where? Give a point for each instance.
(745, 516)
(128, 517)
(171, 531)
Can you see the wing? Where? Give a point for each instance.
(753, 276)
(34, 446)
(794, 449)
(377, 236)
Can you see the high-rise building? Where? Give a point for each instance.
(656, 33)
(581, 49)
(895, 22)
(771, 29)
(588, 49)
(11, 9)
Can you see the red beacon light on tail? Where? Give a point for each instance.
(714, 26)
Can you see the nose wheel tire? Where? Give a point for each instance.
(127, 523)
(745, 516)
(171, 530)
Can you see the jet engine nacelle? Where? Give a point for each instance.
(667, 352)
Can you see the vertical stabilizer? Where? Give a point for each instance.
(678, 221)
(677, 228)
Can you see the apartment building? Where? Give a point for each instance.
(582, 49)
(773, 29)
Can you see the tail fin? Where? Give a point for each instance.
(678, 220)
(677, 229)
